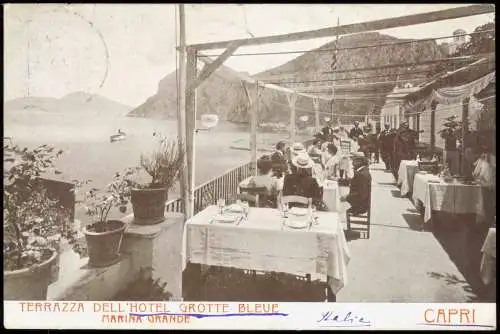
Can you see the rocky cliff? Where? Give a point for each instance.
(223, 92)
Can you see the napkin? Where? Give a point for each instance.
(298, 211)
(235, 208)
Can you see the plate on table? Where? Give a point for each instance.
(235, 208)
(226, 218)
(300, 212)
(297, 223)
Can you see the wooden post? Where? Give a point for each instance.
(181, 112)
(433, 124)
(190, 128)
(316, 114)
(292, 98)
(253, 109)
(465, 122)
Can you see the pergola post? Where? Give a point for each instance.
(465, 126)
(253, 109)
(316, 114)
(181, 115)
(292, 98)
(191, 70)
(433, 124)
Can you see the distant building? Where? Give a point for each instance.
(459, 38)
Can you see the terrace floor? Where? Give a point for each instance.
(401, 262)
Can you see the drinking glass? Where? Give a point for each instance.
(221, 203)
(246, 208)
(285, 209)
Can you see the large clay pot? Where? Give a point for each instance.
(31, 283)
(149, 205)
(103, 242)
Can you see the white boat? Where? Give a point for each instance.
(118, 137)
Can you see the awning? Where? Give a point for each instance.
(470, 79)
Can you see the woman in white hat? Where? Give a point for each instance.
(301, 182)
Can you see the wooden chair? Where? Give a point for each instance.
(295, 199)
(251, 194)
(345, 146)
(428, 166)
(362, 220)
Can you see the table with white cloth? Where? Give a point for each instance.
(453, 197)
(406, 175)
(488, 267)
(262, 242)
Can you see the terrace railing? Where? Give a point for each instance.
(224, 186)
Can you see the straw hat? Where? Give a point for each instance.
(302, 161)
(298, 148)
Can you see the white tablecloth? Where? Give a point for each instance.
(263, 243)
(406, 175)
(454, 197)
(488, 262)
(331, 195)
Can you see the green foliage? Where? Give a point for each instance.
(144, 288)
(34, 223)
(482, 42)
(451, 127)
(164, 164)
(99, 202)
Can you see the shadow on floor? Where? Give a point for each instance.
(414, 221)
(386, 184)
(396, 193)
(451, 279)
(231, 284)
(462, 240)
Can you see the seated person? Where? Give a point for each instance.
(267, 180)
(301, 182)
(279, 160)
(331, 162)
(315, 148)
(360, 186)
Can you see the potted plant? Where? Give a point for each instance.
(34, 223)
(164, 166)
(104, 235)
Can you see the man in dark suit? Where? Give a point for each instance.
(356, 131)
(279, 161)
(386, 143)
(360, 187)
(327, 132)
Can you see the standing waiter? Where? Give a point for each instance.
(386, 143)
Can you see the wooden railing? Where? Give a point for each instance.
(224, 186)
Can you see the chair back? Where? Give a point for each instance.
(296, 199)
(428, 166)
(251, 199)
(345, 146)
(253, 190)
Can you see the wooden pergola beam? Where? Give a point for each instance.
(210, 68)
(401, 21)
(250, 80)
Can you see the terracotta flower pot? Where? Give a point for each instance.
(103, 242)
(149, 205)
(31, 283)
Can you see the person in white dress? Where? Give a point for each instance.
(331, 163)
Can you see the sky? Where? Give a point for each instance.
(122, 51)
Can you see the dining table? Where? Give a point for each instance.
(406, 175)
(264, 240)
(331, 190)
(488, 268)
(452, 197)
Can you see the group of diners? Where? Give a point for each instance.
(301, 171)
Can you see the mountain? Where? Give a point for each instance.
(223, 94)
(73, 102)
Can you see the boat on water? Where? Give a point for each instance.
(118, 137)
